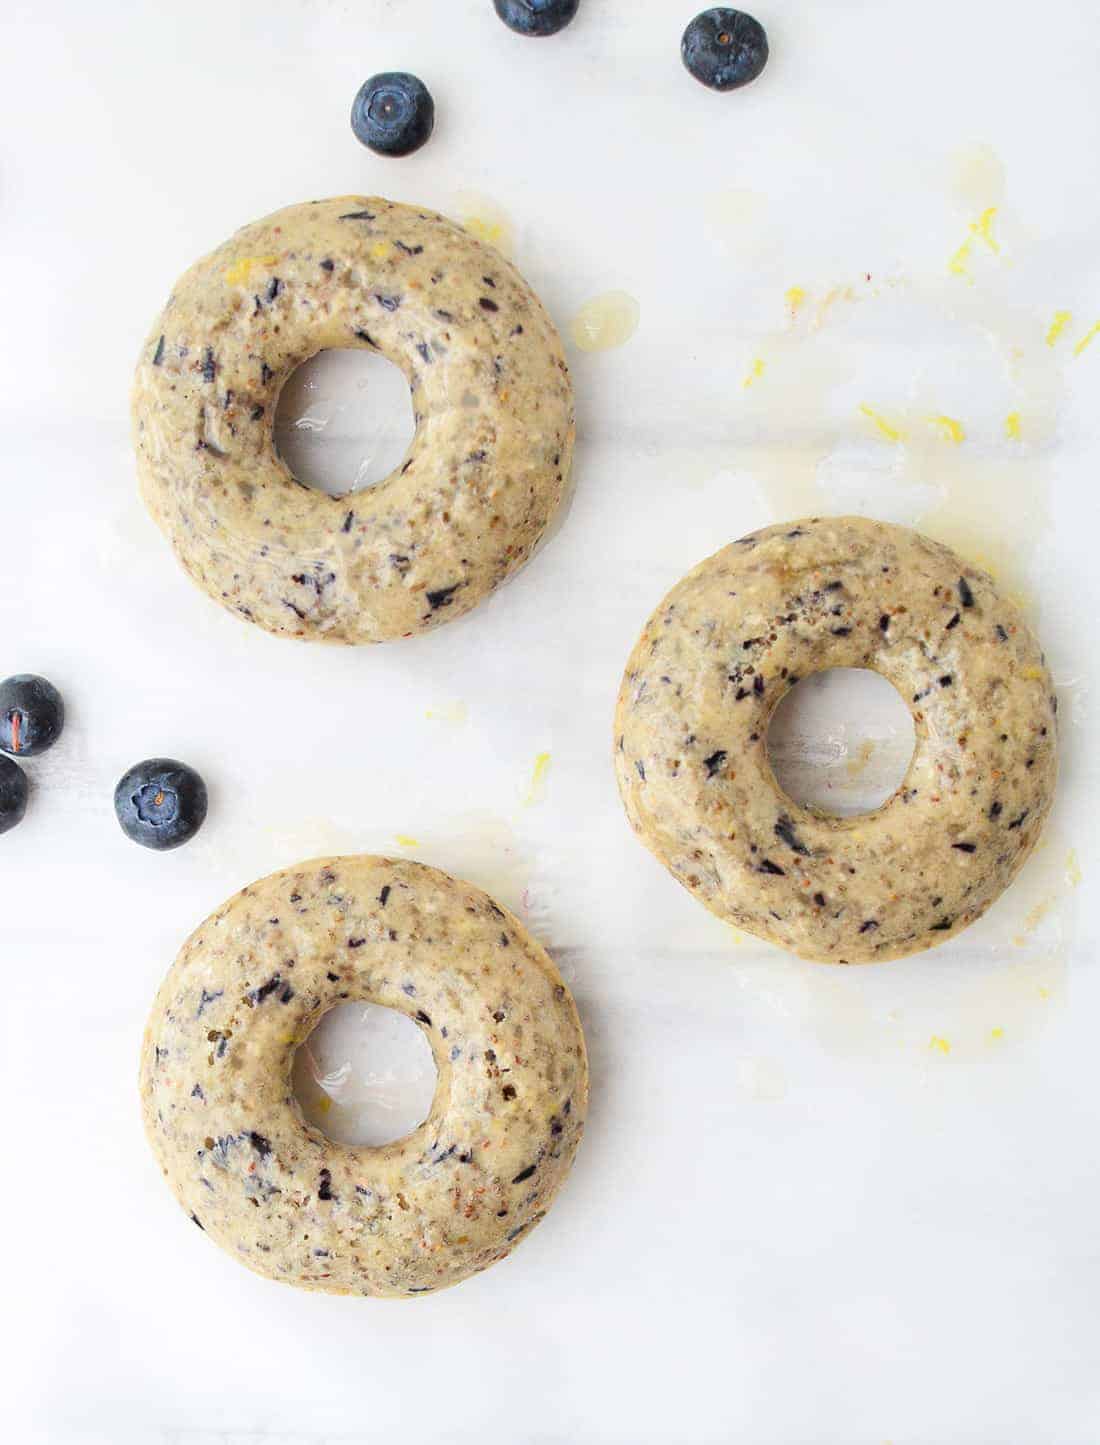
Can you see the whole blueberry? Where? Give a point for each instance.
(160, 803)
(536, 17)
(32, 715)
(393, 113)
(724, 48)
(13, 794)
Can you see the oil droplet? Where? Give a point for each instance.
(977, 177)
(1073, 869)
(1058, 325)
(483, 218)
(605, 322)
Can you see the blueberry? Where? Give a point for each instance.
(536, 17)
(13, 794)
(724, 48)
(32, 715)
(393, 113)
(160, 803)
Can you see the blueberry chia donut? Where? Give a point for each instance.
(412, 1216)
(735, 635)
(491, 395)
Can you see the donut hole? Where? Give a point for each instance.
(344, 421)
(366, 1075)
(841, 741)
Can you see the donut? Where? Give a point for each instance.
(492, 401)
(412, 1216)
(735, 635)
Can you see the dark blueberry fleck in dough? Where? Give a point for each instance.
(758, 685)
(767, 866)
(536, 18)
(1016, 822)
(423, 1017)
(442, 596)
(158, 355)
(715, 763)
(160, 803)
(332, 977)
(32, 715)
(956, 618)
(509, 1091)
(356, 942)
(641, 768)
(841, 631)
(209, 365)
(784, 830)
(368, 338)
(261, 1145)
(393, 114)
(725, 49)
(274, 288)
(488, 304)
(257, 412)
(946, 680)
(409, 988)
(1002, 635)
(265, 990)
(358, 216)
(966, 596)
(196, 1220)
(868, 926)
(942, 926)
(884, 622)
(819, 899)
(324, 1185)
(524, 1174)
(207, 998)
(996, 810)
(965, 847)
(388, 303)
(383, 897)
(266, 373)
(327, 265)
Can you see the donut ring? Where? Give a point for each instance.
(423, 1212)
(492, 399)
(735, 635)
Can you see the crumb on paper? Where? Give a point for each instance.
(795, 298)
(1073, 869)
(454, 713)
(996, 1033)
(403, 840)
(1012, 426)
(979, 230)
(1057, 326)
(886, 428)
(941, 1045)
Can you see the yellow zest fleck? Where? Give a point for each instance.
(996, 1033)
(953, 430)
(942, 1045)
(796, 297)
(1057, 326)
(1087, 339)
(958, 261)
(756, 371)
(491, 231)
(1033, 674)
(381, 250)
(983, 228)
(404, 841)
(1012, 426)
(888, 430)
(1044, 993)
(324, 1103)
(538, 778)
(451, 712)
(1073, 869)
(242, 268)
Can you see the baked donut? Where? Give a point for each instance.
(735, 635)
(422, 1212)
(491, 396)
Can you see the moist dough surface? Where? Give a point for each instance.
(408, 1217)
(735, 635)
(491, 395)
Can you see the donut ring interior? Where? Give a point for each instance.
(409, 1217)
(735, 635)
(492, 401)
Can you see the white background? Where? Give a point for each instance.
(813, 1205)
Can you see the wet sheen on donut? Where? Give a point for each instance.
(492, 400)
(719, 654)
(412, 1216)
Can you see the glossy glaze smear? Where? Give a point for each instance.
(409, 1217)
(492, 401)
(735, 635)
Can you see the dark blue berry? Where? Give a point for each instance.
(160, 803)
(32, 715)
(13, 794)
(724, 48)
(393, 113)
(536, 17)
